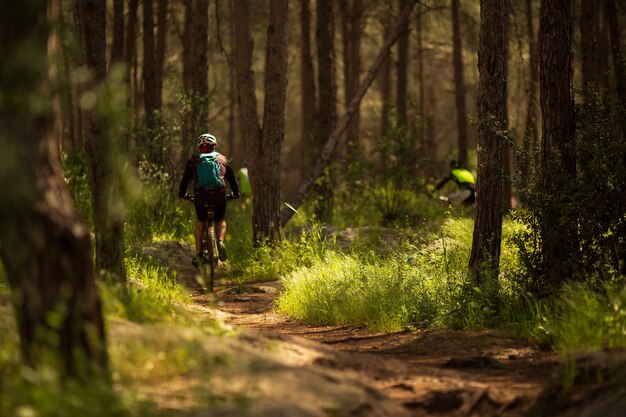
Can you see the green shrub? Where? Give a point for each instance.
(424, 286)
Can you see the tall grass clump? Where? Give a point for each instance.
(418, 286)
(584, 318)
(152, 295)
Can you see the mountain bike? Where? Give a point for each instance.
(209, 258)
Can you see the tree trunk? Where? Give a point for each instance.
(263, 145)
(558, 228)
(130, 46)
(385, 78)
(117, 44)
(507, 191)
(200, 87)
(532, 113)
(309, 95)
(149, 72)
(107, 214)
(491, 101)
(356, 33)
(588, 18)
(45, 247)
(459, 83)
(616, 49)
(160, 51)
(233, 142)
(420, 81)
(603, 48)
(342, 124)
(323, 205)
(402, 69)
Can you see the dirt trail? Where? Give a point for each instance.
(436, 372)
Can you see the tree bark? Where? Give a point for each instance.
(588, 18)
(117, 43)
(532, 112)
(323, 204)
(385, 78)
(507, 186)
(401, 70)
(45, 247)
(107, 213)
(160, 50)
(309, 94)
(130, 46)
(263, 145)
(149, 71)
(459, 83)
(200, 87)
(356, 33)
(558, 163)
(342, 124)
(616, 49)
(491, 101)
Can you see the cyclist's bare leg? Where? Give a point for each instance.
(220, 229)
(198, 233)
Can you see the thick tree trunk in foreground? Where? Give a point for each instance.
(342, 124)
(558, 229)
(45, 247)
(616, 48)
(107, 213)
(459, 84)
(491, 102)
(263, 145)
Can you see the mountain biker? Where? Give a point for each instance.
(213, 195)
(466, 194)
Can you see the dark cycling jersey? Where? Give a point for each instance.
(191, 173)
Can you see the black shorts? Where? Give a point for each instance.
(204, 201)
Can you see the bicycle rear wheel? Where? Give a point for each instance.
(211, 259)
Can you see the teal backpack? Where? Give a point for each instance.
(209, 171)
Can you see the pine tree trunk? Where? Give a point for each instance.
(263, 146)
(200, 87)
(323, 205)
(402, 69)
(130, 46)
(507, 191)
(160, 51)
(459, 83)
(356, 33)
(485, 255)
(117, 43)
(107, 214)
(309, 95)
(385, 79)
(558, 229)
(616, 49)
(149, 73)
(588, 18)
(45, 246)
(532, 112)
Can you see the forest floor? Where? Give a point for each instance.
(352, 371)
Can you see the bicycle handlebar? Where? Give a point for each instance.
(191, 197)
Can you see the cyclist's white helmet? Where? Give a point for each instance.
(205, 139)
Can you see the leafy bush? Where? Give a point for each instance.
(593, 202)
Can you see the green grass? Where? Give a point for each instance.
(417, 286)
